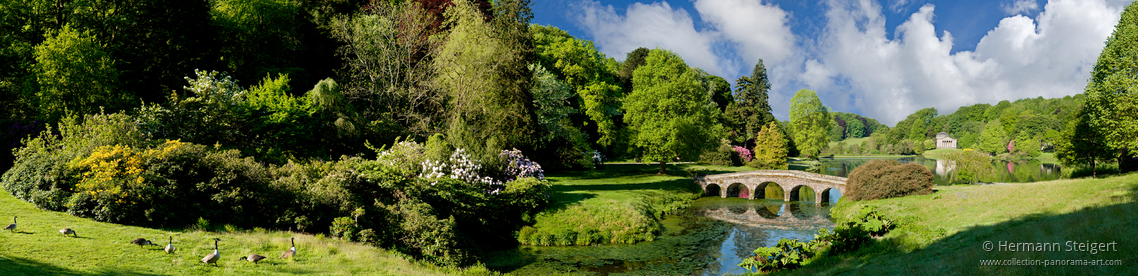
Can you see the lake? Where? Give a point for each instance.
(713, 235)
(709, 238)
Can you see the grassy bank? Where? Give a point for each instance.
(850, 141)
(37, 248)
(938, 153)
(947, 230)
(622, 203)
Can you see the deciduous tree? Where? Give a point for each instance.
(1112, 93)
(993, 139)
(810, 122)
(75, 74)
(669, 111)
(1080, 143)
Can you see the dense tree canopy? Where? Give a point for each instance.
(1112, 93)
(810, 122)
(593, 77)
(75, 74)
(669, 111)
(993, 139)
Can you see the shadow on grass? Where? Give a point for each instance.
(21, 266)
(972, 251)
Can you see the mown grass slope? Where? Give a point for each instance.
(946, 231)
(37, 248)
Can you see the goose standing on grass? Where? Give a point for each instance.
(68, 231)
(212, 257)
(253, 258)
(291, 251)
(12, 226)
(170, 246)
(140, 242)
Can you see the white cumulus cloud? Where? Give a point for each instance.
(761, 31)
(1049, 56)
(650, 26)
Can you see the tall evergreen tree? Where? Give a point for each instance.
(750, 110)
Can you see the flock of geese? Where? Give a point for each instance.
(208, 259)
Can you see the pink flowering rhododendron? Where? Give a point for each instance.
(744, 153)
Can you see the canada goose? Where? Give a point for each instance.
(212, 257)
(291, 251)
(13, 225)
(68, 231)
(170, 246)
(253, 258)
(140, 242)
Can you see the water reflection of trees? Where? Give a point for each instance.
(747, 239)
(770, 211)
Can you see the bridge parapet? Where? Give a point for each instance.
(789, 180)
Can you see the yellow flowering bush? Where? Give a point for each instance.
(111, 172)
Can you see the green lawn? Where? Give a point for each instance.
(850, 141)
(37, 248)
(946, 230)
(938, 153)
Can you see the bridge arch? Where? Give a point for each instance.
(712, 190)
(738, 190)
(827, 196)
(769, 190)
(803, 193)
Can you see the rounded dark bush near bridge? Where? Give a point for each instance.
(880, 179)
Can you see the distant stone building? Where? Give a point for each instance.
(945, 142)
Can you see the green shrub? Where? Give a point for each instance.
(849, 234)
(438, 211)
(723, 155)
(41, 174)
(588, 224)
(879, 179)
(344, 228)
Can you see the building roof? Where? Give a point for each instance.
(942, 135)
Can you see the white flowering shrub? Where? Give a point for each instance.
(518, 166)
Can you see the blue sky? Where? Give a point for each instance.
(879, 58)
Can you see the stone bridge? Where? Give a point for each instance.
(753, 184)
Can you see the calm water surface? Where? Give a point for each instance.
(715, 234)
(709, 238)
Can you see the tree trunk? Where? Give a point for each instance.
(1126, 162)
(1094, 170)
(662, 164)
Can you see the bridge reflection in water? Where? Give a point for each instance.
(759, 223)
(772, 214)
